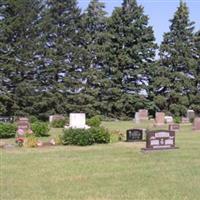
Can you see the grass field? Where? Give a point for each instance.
(116, 171)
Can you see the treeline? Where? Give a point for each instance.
(55, 58)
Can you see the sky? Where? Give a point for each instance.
(159, 12)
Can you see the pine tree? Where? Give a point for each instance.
(17, 29)
(96, 40)
(60, 53)
(195, 75)
(176, 57)
(131, 56)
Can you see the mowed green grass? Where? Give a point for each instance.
(116, 171)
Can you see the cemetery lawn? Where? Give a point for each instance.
(117, 171)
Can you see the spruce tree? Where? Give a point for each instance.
(17, 33)
(176, 57)
(195, 75)
(96, 40)
(131, 57)
(60, 53)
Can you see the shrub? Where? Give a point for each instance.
(40, 129)
(30, 141)
(94, 121)
(7, 130)
(85, 137)
(80, 137)
(58, 139)
(177, 119)
(58, 123)
(100, 135)
(33, 119)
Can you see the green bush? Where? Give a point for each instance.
(60, 123)
(85, 137)
(33, 119)
(177, 119)
(100, 135)
(7, 130)
(94, 121)
(40, 129)
(80, 137)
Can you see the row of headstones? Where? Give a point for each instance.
(155, 140)
(76, 120)
(161, 119)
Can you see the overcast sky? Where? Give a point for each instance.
(159, 12)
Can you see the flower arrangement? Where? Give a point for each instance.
(20, 141)
(21, 135)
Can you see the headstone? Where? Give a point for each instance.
(160, 118)
(133, 135)
(190, 114)
(23, 124)
(137, 119)
(185, 120)
(160, 140)
(77, 120)
(196, 124)
(169, 119)
(6, 119)
(174, 127)
(56, 117)
(143, 114)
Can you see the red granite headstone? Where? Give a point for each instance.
(160, 118)
(143, 114)
(196, 124)
(56, 117)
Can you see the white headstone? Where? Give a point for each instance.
(50, 118)
(168, 119)
(137, 118)
(77, 120)
(190, 114)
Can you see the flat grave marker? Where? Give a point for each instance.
(174, 127)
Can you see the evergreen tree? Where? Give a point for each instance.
(60, 54)
(17, 33)
(131, 57)
(176, 58)
(96, 41)
(195, 75)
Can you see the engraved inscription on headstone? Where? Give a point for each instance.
(160, 139)
(134, 135)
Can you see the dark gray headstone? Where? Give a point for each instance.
(134, 135)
